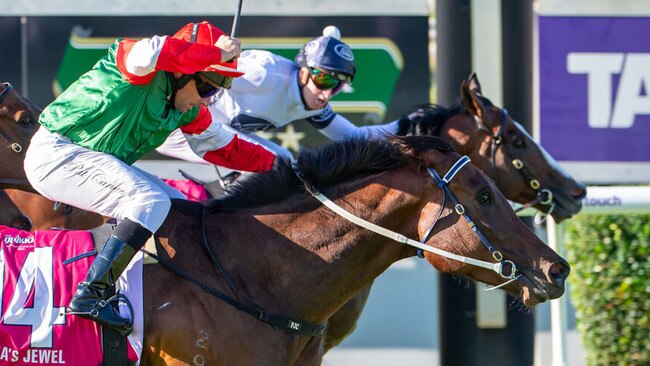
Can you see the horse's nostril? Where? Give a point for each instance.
(559, 271)
(22, 223)
(579, 192)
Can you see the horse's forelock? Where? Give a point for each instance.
(429, 118)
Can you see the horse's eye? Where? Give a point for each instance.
(519, 143)
(484, 198)
(26, 121)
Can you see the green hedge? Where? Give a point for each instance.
(610, 286)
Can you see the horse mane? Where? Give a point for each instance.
(428, 118)
(323, 167)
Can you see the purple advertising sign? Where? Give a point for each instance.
(595, 88)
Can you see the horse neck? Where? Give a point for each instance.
(311, 261)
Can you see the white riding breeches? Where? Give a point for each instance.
(94, 181)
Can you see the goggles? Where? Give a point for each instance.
(325, 81)
(205, 89)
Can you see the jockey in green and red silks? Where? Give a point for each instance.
(123, 108)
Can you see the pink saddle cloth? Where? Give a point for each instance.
(36, 288)
(192, 190)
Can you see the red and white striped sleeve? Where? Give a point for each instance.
(218, 146)
(138, 60)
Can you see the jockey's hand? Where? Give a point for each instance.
(416, 122)
(230, 47)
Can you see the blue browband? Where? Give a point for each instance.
(8, 88)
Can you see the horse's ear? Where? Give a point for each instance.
(474, 85)
(472, 103)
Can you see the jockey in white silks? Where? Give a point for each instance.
(275, 91)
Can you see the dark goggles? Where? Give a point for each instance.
(204, 89)
(325, 81)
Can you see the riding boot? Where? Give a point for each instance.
(89, 301)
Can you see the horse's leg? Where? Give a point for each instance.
(344, 321)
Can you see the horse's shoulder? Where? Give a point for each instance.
(187, 208)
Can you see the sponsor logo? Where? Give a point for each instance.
(344, 52)
(293, 325)
(602, 201)
(17, 240)
(611, 105)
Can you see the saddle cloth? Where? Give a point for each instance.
(36, 286)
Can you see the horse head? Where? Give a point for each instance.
(502, 148)
(425, 192)
(477, 222)
(18, 123)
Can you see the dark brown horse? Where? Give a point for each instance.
(294, 256)
(10, 215)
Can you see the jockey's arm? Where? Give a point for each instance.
(139, 59)
(213, 143)
(176, 146)
(336, 127)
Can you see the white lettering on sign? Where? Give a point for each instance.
(632, 96)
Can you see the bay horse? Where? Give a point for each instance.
(293, 255)
(10, 215)
(500, 147)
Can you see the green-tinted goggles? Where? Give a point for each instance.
(221, 80)
(324, 81)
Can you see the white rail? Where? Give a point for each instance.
(607, 200)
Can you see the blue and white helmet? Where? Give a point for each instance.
(330, 54)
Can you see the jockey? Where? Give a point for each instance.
(276, 91)
(123, 108)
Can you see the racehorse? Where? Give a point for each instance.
(10, 215)
(500, 147)
(293, 255)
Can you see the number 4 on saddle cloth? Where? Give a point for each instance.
(38, 280)
(39, 273)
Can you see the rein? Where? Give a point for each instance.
(544, 196)
(278, 321)
(500, 267)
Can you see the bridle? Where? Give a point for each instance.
(14, 146)
(543, 196)
(505, 268)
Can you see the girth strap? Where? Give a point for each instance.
(278, 321)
